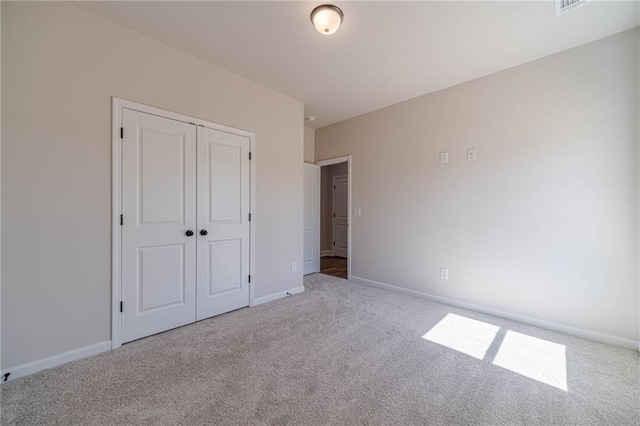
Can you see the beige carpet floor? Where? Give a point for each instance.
(340, 353)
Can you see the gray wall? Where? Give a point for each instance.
(60, 67)
(309, 145)
(543, 224)
(327, 174)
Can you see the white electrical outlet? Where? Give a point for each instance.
(294, 266)
(471, 154)
(444, 157)
(444, 273)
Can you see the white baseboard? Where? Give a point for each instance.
(87, 351)
(54, 361)
(275, 296)
(325, 253)
(554, 326)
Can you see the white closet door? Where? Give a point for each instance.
(311, 225)
(159, 208)
(223, 222)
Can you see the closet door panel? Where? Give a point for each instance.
(223, 222)
(225, 183)
(159, 207)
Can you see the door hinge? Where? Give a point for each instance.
(249, 278)
(121, 305)
(334, 243)
(334, 215)
(121, 219)
(249, 217)
(121, 132)
(249, 155)
(334, 187)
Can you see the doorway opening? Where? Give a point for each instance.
(335, 219)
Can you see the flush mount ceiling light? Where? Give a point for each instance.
(327, 18)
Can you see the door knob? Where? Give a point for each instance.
(189, 233)
(203, 232)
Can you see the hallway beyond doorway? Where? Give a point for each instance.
(334, 266)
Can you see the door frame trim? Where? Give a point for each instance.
(118, 104)
(329, 162)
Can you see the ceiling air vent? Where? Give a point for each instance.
(564, 6)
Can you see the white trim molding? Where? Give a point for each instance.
(346, 159)
(325, 253)
(116, 230)
(549, 325)
(276, 296)
(56, 360)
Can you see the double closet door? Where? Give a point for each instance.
(185, 223)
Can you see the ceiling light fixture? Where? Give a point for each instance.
(310, 118)
(327, 18)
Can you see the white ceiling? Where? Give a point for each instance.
(384, 53)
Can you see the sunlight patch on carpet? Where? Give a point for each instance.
(528, 356)
(534, 358)
(463, 334)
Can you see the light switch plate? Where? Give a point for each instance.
(444, 157)
(357, 211)
(444, 273)
(471, 154)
